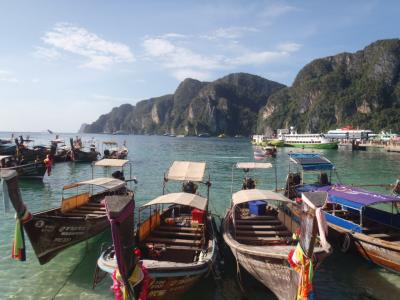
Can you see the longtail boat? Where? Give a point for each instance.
(80, 155)
(25, 170)
(368, 222)
(177, 239)
(260, 236)
(81, 215)
(31, 153)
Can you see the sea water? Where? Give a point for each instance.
(70, 274)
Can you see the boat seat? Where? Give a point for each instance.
(260, 240)
(83, 211)
(259, 227)
(258, 222)
(259, 218)
(91, 207)
(179, 228)
(172, 241)
(240, 233)
(192, 235)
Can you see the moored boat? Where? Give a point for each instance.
(81, 214)
(176, 239)
(308, 140)
(358, 219)
(25, 170)
(114, 151)
(260, 236)
(79, 154)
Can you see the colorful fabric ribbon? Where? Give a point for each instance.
(304, 267)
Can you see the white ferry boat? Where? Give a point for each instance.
(308, 140)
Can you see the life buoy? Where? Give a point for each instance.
(346, 243)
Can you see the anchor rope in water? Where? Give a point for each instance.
(73, 271)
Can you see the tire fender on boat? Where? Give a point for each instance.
(346, 242)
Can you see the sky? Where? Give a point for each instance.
(64, 63)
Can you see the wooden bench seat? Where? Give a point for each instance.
(179, 228)
(259, 227)
(263, 233)
(274, 221)
(172, 241)
(177, 234)
(248, 239)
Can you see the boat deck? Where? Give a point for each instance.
(261, 230)
(177, 243)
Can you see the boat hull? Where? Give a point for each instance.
(378, 251)
(49, 235)
(82, 156)
(172, 285)
(316, 146)
(30, 170)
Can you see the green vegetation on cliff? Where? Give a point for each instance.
(361, 89)
(228, 105)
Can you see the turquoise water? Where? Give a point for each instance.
(69, 275)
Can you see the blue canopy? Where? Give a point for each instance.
(355, 197)
(311, 161)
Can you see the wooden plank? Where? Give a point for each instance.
(240, 233)
(259, 218)
(153, 239)
(258, 222)
(385, 235)
(259, 227)
(95, 212)
(177, 233)
(259, 239)
(179, 228)
(85, 207)
(184, 248)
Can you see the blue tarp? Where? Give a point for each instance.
(355, 197)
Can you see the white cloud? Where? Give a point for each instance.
(233, 32)
(100, 53)
(289, 47)
(184, 62)
(276, 9)
(173, 56)
(257, 58)
(49, 54)
(7, 76)
(174, 35)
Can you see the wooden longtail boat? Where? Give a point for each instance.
(79, 155)
(358, 219)
(35, 153)
(260, 236)
(30, 170)
(178, 243)
(80, 216)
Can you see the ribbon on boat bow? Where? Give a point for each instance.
(304, 267)
(18, 245)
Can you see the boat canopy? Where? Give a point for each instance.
(355, 198)
(181, 198)
(106, 162)
(311, 161)
(104, 182)
(186, 171)
(253, 165)
(256, 194)
(4, 156)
